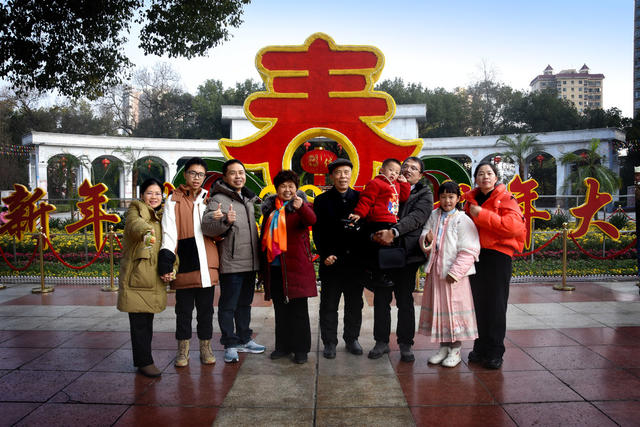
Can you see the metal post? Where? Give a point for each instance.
(563, 286)
(111, 287)
(42, 289)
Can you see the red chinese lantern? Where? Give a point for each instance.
(63, 161)
(106, 162)
(317, 162)
(497, 159)
(539, 158)
(149, 163)
(307, 145)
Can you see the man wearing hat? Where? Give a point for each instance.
(336, 242)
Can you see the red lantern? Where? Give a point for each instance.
(497, 159)
(307, 145)
(106, 162)
(317, 162)
(539, 158)
(149, 163)
(63, 161)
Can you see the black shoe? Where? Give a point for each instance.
(378, 350)
(406, 355)
(493, 363)
(300, 358)
(354, 347)
(277, 354)
(329, 351)
(475, 357)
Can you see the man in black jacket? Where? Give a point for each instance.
(339, 272)
(413, 214)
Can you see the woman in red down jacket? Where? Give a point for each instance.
(501, 228)
(287, 270)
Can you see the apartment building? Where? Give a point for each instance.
(583, 89)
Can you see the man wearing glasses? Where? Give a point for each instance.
(198, 259)
(412, 216)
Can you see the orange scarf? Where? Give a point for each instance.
(275, 238)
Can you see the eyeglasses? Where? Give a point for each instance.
(410, 167)
(194, 174)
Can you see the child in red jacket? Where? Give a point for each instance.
(380, 201)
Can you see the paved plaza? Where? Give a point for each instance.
(573, 358)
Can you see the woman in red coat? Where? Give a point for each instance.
(289, 276)
(501, 228)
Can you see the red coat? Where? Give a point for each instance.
(380, 200)
(298, 274)
(500, 223)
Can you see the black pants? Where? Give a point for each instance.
(404, 284)
(202, 298)
(334, 284)
(490, 289)
(293, 329)
(234, 307)
(141, 325)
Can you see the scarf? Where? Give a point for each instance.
(275, 238)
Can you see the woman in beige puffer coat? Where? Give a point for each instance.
(141, 292)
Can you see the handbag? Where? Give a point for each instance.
(391, 258)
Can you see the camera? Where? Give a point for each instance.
(350, 224)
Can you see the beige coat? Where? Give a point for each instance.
(141, 289)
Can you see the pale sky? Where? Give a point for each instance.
(438, 43)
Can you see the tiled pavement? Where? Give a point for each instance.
(572, 359)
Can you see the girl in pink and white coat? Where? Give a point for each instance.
(450, 239)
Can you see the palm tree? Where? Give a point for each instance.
(519, 149)
(589, 164)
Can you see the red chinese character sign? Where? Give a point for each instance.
(525, 195)
(594, 201)
(24, 211)
(319, 89)
(91, 211)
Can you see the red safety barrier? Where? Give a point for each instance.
(620, 210)
(540, 248)
(620, 252)
(118, 240)
(95, 258)
(13, 267)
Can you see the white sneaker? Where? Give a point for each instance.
(251, 347)
(437, 358)
(453, 358)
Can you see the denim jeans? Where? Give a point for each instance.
(234, 307)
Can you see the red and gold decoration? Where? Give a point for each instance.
(91, 210)
(24, 210)
(316, 162)
(594, 201)
(319, 89)
(525, 195)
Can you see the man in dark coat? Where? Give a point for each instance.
(338, 269)
(413, 214)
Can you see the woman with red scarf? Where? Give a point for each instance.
(288, 274)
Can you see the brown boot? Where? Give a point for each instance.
(206, 355)
(182, 357)
(150, 371)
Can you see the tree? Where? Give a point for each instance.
(208, 102)
(518, 150)
(589, 164)
(77, 48)
(540, 112)
(488, 99)
(447, 112)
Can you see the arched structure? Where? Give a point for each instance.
(88, 148)
(403, 126)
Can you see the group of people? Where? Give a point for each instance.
(378, 238)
